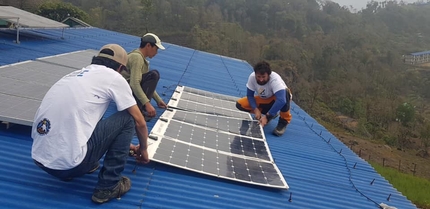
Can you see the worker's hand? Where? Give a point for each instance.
(263, 120)
(161, 104)
(257, 114)
(150, 109)
(141, 155)
(134, 149)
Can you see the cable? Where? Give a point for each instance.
(344, 158)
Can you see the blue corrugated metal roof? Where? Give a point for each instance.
(321, 171)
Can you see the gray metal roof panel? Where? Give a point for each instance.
(27, 19)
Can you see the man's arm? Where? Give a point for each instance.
(136, 63)
(157, 97)
(251, 99)
(160, 102)
(142, 133)
(280, 101)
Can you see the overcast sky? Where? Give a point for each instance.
(360, 4)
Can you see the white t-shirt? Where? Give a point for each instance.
(270, 88)
(70, 111)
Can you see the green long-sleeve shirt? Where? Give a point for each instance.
(137, 65)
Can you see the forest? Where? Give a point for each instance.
(345, 67)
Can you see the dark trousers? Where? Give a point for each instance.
(149, 83)
(112, 136)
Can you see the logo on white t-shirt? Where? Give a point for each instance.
(262, 92)
(43, 127)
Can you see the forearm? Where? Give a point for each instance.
(280, 101)
(142, 135)
(157, 98)
(251, 99)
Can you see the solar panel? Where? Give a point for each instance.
(23, 85)
(204, 132)
(75, 60)
(27, 19)
(17, 110)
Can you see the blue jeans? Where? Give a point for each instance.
(112, 136)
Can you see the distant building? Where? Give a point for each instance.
(75, 22)
(417, 58)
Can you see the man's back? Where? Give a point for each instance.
(69, 113)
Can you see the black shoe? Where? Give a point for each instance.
(281, 127)
(104, 195)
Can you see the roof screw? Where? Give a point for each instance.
(388, 198)
(371, 183)
(291, 197)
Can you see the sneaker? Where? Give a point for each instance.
(104, 195)
(281, 127)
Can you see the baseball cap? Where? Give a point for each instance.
(152, 38)
(114, 52)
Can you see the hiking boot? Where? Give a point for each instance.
(104, 195)
(281, 127)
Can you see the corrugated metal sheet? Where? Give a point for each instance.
(321, 171)
(420, 53)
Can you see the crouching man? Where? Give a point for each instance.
(273, 96)
(69, 137)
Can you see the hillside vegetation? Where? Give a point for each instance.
(345, 68)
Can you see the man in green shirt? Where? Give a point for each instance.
(143, 81)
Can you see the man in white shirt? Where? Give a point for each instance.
(69, 135)
(272, 96)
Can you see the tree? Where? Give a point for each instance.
(60, 11)
(425, 136)
(405, 114)
(28, 5)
